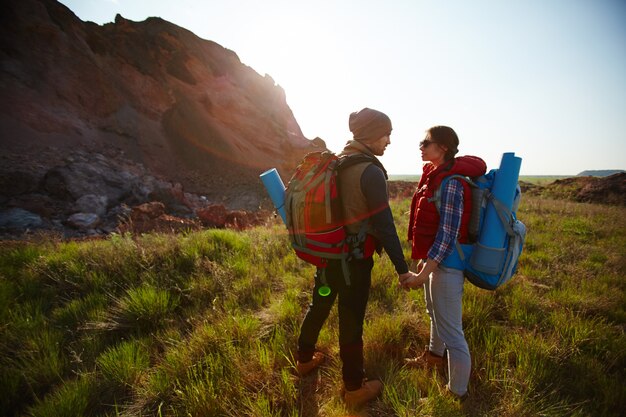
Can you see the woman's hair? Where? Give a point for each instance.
(446, 136)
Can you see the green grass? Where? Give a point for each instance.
(542, 179)
(206, 323)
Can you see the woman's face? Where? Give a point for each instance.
(432, 152)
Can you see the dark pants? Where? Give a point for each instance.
(352, 305)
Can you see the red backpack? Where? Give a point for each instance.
(314, 209)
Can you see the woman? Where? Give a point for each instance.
(433, 234)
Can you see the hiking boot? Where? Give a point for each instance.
(305, 368)
(427, 360)
(368, 391)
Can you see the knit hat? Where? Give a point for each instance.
(369, 125)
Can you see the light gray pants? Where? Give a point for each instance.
(444, 295)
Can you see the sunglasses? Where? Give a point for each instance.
(426, 142)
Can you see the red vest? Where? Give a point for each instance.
(424, 218)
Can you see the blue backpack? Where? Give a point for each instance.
(496, 235)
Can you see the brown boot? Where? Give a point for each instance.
(427, 360)
(368, 391)
(305, 368)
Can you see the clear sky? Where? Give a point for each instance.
(545, 79)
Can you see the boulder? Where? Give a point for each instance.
(172, 196)
(84, 221)
(218, 216)
(91, 203)
(151, 217)
(14, 183)
(40, 204)
(19, 220)
(214, 215)
(240, 219)
(151, 210)
(78, 179)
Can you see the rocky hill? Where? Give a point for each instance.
(598, 190)
(131, 106)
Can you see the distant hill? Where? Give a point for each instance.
(600, 173)
(600, 190)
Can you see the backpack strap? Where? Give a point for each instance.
(436, 198)
(348, 160)
(459, 249)
(356, 242)
(328, 176)
(344, 267)
(505, 215)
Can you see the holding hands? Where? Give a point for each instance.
(411, 280)
(415, 280)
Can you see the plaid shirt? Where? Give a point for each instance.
(450, 213)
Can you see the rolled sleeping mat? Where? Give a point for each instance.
(488, 256)
(276, 189)
(504, 186)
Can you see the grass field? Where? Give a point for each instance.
(205, 324)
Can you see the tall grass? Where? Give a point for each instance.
(206, 324)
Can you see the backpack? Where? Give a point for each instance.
(314, 211)
(496, 235)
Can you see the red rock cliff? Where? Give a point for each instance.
(184, 107)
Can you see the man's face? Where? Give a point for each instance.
(378, 147)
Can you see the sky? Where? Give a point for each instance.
(545, 79)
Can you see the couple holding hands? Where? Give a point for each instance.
(433, 234)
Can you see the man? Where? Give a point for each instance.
(363, 188)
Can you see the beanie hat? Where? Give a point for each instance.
(369, 125)
(446, 136)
